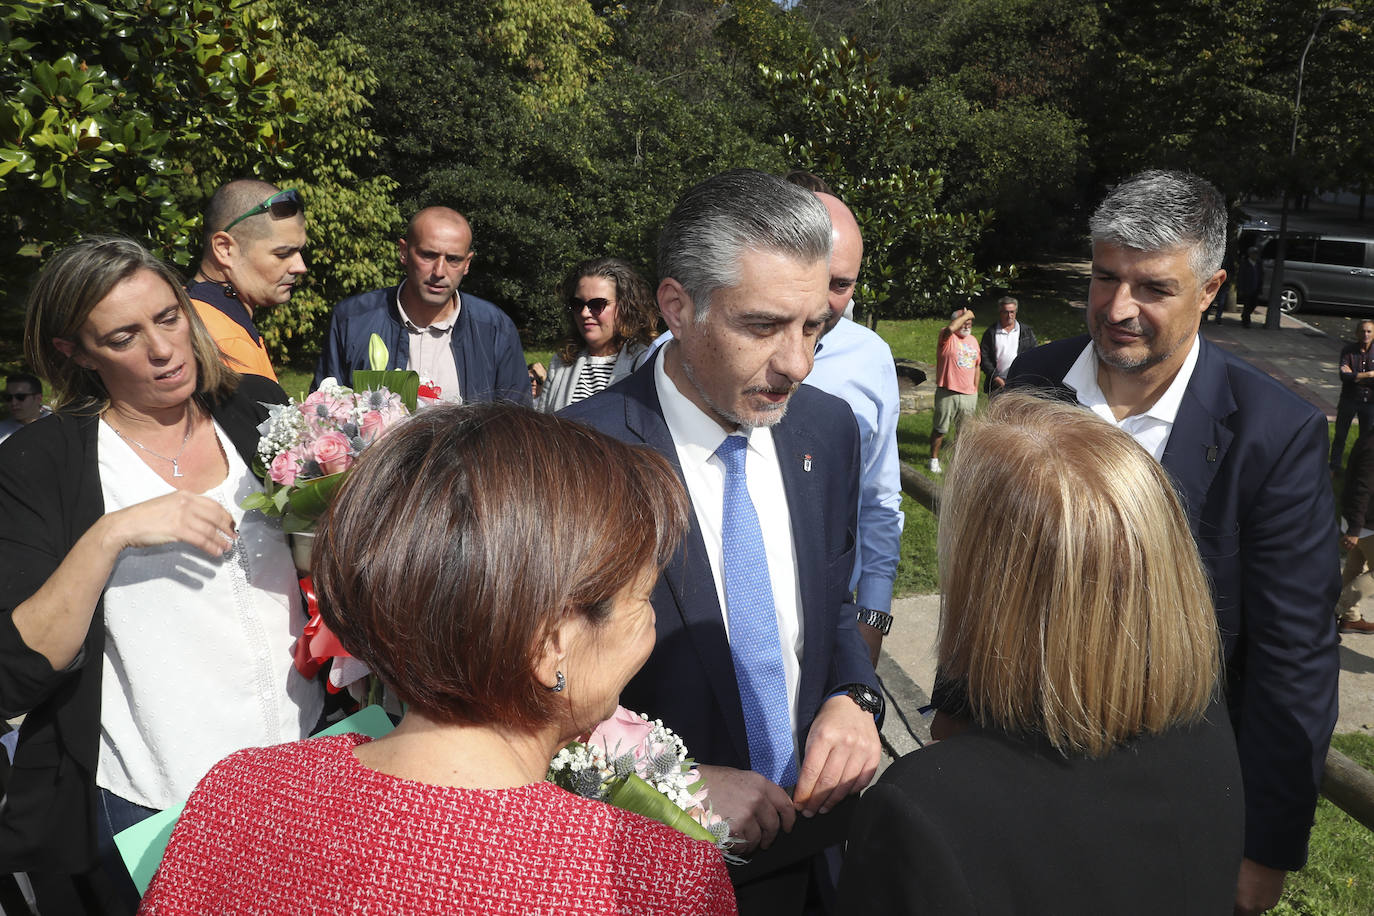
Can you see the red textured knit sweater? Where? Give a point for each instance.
(306, 828)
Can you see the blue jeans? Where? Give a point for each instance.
(117, 814)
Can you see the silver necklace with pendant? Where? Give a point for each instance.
(176, 466)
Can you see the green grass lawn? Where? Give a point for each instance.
(1339, 877)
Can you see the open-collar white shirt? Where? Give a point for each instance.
(431, 348)
(696, 436)
(1151, 428)
(1006, 341)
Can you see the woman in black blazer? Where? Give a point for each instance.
(1093, 769)
(131, 574)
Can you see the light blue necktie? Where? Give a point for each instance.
(754, 644)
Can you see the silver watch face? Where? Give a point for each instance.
(866, 698)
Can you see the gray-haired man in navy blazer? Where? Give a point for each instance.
(1248, 460)
(744, 279)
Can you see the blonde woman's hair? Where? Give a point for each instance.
(69, 288)
(1075, 605)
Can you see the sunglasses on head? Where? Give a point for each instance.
(18, 395)
(281, 205)
(595, 306)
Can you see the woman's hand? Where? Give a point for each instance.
(178, 516)
(55, 619)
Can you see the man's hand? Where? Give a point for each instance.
(755, 807)
(841, 756)
(998, 382)
(873, 638)
(1348, 542)
(1258, 888)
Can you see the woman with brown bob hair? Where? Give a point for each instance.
(457, 563)
(1095, 771)
(611, 322)
(146, 622)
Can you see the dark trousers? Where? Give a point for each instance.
(107, 888)
(1348, 409)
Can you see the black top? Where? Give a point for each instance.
(50, 493)
(990, 824)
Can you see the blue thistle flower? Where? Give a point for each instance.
(587, 783)
(662, 764)
(623, 765)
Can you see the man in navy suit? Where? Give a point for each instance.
(744, 267)
(1248, 460)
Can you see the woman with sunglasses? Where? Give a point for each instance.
(254, 236)
(611, 322)
(146, 622)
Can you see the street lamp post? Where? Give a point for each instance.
(1273, 312)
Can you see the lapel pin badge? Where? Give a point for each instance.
(806, 463)
(1211, 453)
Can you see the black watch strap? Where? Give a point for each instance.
(869, 700)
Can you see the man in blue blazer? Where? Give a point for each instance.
(744, 262)
(1248, 460)
(464, 344)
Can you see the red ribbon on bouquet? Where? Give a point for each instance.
(317, 644)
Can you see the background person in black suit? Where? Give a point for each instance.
(1248, 460)
(744, 267)
(1002, 343)
(1098, 774)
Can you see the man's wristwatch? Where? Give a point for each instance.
(867, 699)
(878, 620)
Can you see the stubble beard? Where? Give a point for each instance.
(1118, 360)
(771, 416)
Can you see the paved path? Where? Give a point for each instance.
(1299, 356)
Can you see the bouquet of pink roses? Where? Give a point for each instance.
(305, 451)
(641, 766)
(306, 446)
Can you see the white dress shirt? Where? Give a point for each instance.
(1007, 342)
(431, 349)
(1152, 428)
(696, 437)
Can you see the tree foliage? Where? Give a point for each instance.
(105, 103)
(352, 217)
(843, 121)
(123, 117)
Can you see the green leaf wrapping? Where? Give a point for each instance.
(405, 382)
(634, 794)
(309, 500)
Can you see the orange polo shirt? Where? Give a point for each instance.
(243, 350)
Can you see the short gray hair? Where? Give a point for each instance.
(1159, 209)
(737, 211)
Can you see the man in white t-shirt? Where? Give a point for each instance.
(1002, 343)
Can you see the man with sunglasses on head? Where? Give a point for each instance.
(464, 345)
(252, 258)
(24, 397)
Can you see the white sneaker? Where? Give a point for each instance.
(935, 466)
